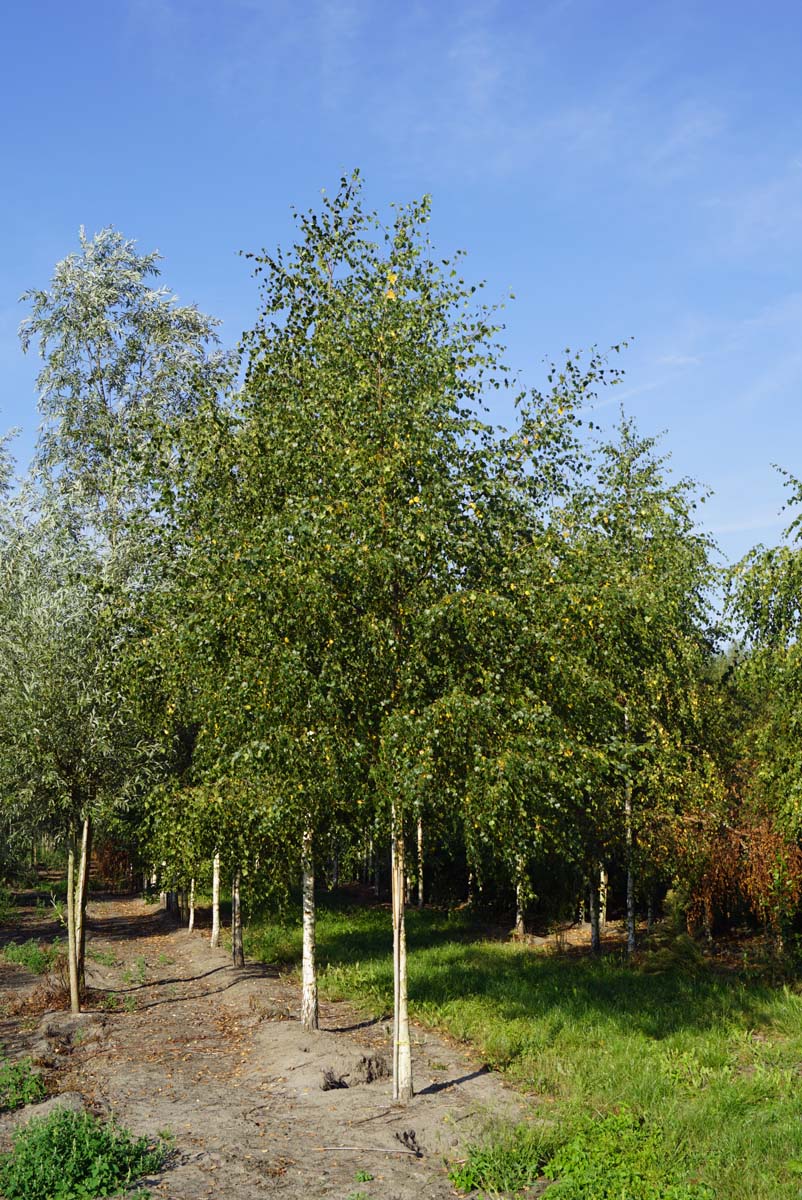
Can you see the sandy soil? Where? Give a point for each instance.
(177, 1039)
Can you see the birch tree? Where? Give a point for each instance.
(385, 508)
(640, 601)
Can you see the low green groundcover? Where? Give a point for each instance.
(74, 1156)
(618, 1157)
(19, 1084)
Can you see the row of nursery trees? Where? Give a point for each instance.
(257, 605)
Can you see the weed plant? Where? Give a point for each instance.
(19, 1084)
(7, 907)
(74, 1156)
(136, 973)
(37, 957)
(106, 958)
(708, 1061)
(508, 1161)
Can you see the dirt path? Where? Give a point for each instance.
(179, 1040)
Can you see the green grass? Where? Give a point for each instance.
(707, 1065)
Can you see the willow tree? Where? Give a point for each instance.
(70, 747)
(122, 364)
(121, 361)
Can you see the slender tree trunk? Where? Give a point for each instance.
(595, 930)
(708, 920)
(420, 862)
(81, 892)
(237, 952)
(191, 923)
(215, 938)
(377, 869)
(72, 960)
(630, 853)
(630, 873)
(309, 1005)
(520, 896)
(649, 914)
(402, 1057)
(604, 880)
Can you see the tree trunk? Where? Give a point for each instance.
(81, 892)
(630, 854)
(402, 1058)
(630, 873)
(309, 1006)
(191, 922)
(604, 880)
(708, 920)
(215, 938)
(237, 952)
(72, 959)
(377, 871)
(595, 930)
(420, 862)
(520, 897)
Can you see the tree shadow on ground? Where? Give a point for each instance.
(510, 984)
(444, 1086)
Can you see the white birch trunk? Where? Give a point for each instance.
(630, 856)
(520, 924)
(191, 922)
(630, 874)
(72, 961)
(420, 862)
(595, 930)
(237, 952)
(377, 874)
(309, 1004)
(215, 938)
(604, 880)
(81, 892)
(402, 1056)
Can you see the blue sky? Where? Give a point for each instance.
(627, 169)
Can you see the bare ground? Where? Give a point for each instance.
(177, 1039)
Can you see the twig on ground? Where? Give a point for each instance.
(368, 1150)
